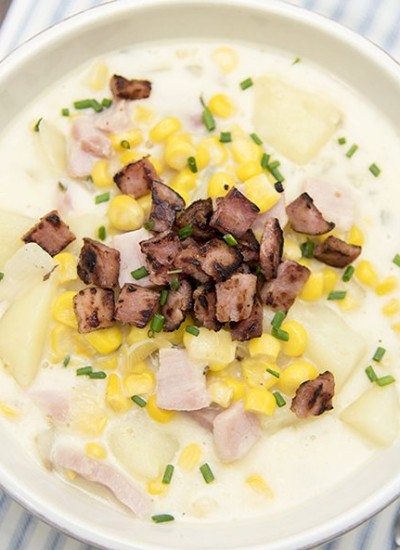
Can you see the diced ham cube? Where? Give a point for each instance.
(234, 214)
(136, 305)
(249, 328)
(135, 178)
(123, 88)
(314, 397)
(161, 252)
(177, 305)
(235, 297)
(271, 248)
(219, 260)
(94, 308)
(205, 302)
(304, 217)
(335, 252)
(281, 292)
(198, 215)
(114, 119)
(166, 203)
(98, 264)
(50, 233)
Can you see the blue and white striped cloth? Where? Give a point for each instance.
(378, 20)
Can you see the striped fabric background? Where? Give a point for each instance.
(378, 20)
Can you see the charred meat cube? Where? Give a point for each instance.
(304, 216)
(235, 297)
(249, 328)
(98, 264)
(50, 233)
(249, 248)
(188, 260)
(136, 305)
(281, 292)
(335, 252)
(123, 88)
(135, 178)
(234, 214)
(271, 248)
(219, 260)
(160, 252)
(198, 215)
(94, 308)
(205, 301)
(178, 303)
(165, 204)
(314, 397)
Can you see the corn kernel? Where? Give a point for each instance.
(138, 367)
(100, 174)
(356, 236)
(237, 386)
(295, 374)
(71, 475)
(109, 362)
(366, 274)
(130, 155)
(259, 400)
(226, 58)
(139, 383)
(259, 485)
(248, 170)
(349, 302)
(96, 451)
(66, 269)
(298, 338)
(157, 414)
(143, 114)
(264, 345)
(130, 138)
(8, 411)
(190, 456)
(125, 213)
(261, 192)
(156, 487)
(91, 423)
(185, 179)
(255, 372)
(105, 340)
(145, 204)
(82, 346)
(219, 184)
(202, 156)
(220, 393)
(62, 309)
(386, 286)
(217, 152)
(330, 278)
(396, 327)
(60, 341)
(391, 307)
(137, 335)
(97, 77)
(177, 152)
(244, 150)
(164, 128)
(314, 287)
(220, 105)
(115, 398)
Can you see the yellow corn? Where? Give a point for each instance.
(202, 156)
(226, 58)
(237, 386)
(130, 155)
(391, 307)
(143, 114)
(95, 450)
(62, 309)
(66, 269)
(220, 393)
(330, 278)
(82, 346)
(101, 175)
(219, 184)
(190, 456)
(115, 397)
(91, 423)
(386, 286)
(137, 335)
(125, 213)
(255, 372)
(217, 152)
(8, 411)
(145, 203)
(70, 474)
(139, 383)
(264, 345)
(259, 400)
(295, 374)
(259, 485)
(109, 362)
(261, 192)
(396, 327)
(349, 302)
(138, 367)
(176, 336)
(356, 236)
(105, 340)
(156, 487)
(314, 287)
(164, 128)
(248, 170)
(185, 179)
(97, 77)
(60, 341)
(203, 348)
(366, 274)
(177, 152)
(221, 106)
(244, 150)
(157, 414)
(126, 140)
(298, 338)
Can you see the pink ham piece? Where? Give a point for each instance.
(115, 119)
(335, 202)
(205, 417)
(131, 257)
(52, 403)
(235, 432)
(181, 383)
(92, 470)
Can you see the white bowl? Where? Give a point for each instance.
(33, 68)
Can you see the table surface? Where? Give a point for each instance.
(378, 20)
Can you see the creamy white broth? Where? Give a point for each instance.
(292, 459)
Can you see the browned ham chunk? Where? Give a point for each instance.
(136, 305)
(234, 214)
(249, 248)
(50, 233)
(314, 397)
(249, 328)
(94, 308)
(189, 261)
(219, 260)
(198, 215)
(205, 300)
(178, 303)
(135, 178)
(335, 252)
(304, 216)
(98, 264)
(161, 252)
(271, 248)
(235, 297)
(281, 292)
(165, 204)
(123, 88)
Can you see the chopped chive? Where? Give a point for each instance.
(185, 232)
(98, 375)
(96, 106)
(169, 471)
(280, 401)
(348, 273)
(66, 360)
(102, 233)
(379, 353)
(256, 139)
(337, 295)
(104, 197)
(89, 179)
(342, 140)
(65, 111)
(396, 260)
(273, 372)
(278, 318)
(385, 380)
(36, 128)
(307, 249)
(83, 104)
(194, 331)
(192, 165)
(374, 169)
(225, 137)
(369, 371)
(106, 102)
(247, 83)
(296, 60)
(1, 275)
(125, 144)
(82, 371)
(274, 164)
(230, 239)
(265, 160)
(207, 473)
(139, 273)
(279, 187)
(163, 297)
(62, 187)
(274, 171)
(351, 151)
(149, 225)
(174, 284)
(280, 334)
(138, 400)
(207, 117)
(162, 518)
(157, 323)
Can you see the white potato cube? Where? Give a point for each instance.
(12, 228)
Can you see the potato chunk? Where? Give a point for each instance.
(12, 227)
